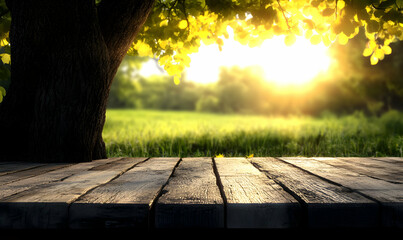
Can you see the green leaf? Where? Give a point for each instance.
(316, 39)
(363, 15)
(2, 93)
(374, 60)
(360, 5)
(183, 24)
(392, 15)
(316, 3)
(348, 27)
(379, 54)
(372, 26)
(378, 13)
(386, 4)
(387, 50)
(327, 12)
(367, 52)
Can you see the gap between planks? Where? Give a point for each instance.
(226, 178)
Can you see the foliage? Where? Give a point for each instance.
(131, 90)
(392, 122)
(5, 60)
(190, 134)
(124, 89)
(208, 103)
(352, 84)
(153, 93)
(176, 27)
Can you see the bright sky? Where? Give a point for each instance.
(295, 65)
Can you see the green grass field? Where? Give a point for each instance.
(147, 133)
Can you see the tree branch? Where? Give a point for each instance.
(285, 17)
(336, 10)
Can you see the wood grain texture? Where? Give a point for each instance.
(386, 169)
(29, 172)
(203, 193)
(254, 200)
(46, 205)
(391, 172)
(191, 198)
(389, 159)
(11, 167)
(324, 203)
(125, 201)
(12, 188)
(389, 196)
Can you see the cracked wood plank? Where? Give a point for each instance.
(252, 199)
(325, 204)
(388, 195)
(46, 205)
(191, 198)
(125, 201)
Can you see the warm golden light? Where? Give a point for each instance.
(295, 65)
(283, 65)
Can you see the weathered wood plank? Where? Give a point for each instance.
(351, 179)
(30, 172)
(252, 199)
(398, 160)
(11, 167)
(325, 204)
(332, 192)
(387, 171)
(388, 195)
(46, 205)
(191, 198)
(125, 201)
(8, 189)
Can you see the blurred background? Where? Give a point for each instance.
(268, 101)
(349, 84)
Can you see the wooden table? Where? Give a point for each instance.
(203, 193)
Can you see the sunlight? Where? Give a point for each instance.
(150, 68)
(285, 66)
(295, 65)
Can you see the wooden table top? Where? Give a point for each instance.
(154, 193)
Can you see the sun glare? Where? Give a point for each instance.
(285, 66)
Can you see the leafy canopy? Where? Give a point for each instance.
(5, 60)
(176, 28)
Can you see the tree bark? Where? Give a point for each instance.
(65, 54)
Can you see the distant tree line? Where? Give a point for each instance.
(355, 85)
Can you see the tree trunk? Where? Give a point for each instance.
(64, 57)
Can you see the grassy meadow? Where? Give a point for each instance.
(149, 133)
